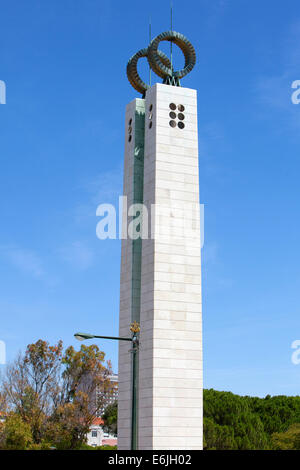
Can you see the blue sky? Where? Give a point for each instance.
(61, 151)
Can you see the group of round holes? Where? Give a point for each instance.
(173, 115)
(150, 115)
(129, 130)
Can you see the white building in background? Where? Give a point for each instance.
(109, 398)
(98, 437)
(94, 437)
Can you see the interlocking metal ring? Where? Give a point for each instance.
(160, 63)
(183, 43)
(132, 72)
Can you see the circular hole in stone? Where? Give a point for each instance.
(172, 115)
(172, 106)
(129, 129)
(130, 122)
(150, 124)
(172, 123)
(150, 107)
(181, 125)
(180, 107)
(181, 116)
(129, 138)
(150, 116)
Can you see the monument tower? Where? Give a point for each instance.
(161, 267)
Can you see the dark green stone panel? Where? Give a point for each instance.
(138, 182)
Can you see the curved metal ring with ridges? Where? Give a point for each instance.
(132, 72)
(160, 68)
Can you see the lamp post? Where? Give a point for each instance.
(135, 329)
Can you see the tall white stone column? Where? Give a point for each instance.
(169, 290)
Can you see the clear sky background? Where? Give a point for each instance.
(61, 151)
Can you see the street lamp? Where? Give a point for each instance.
(135, 329)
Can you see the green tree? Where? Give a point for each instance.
(217, 437)
(276, 413)
(84, 377)
(31, 384)
(110, 418)
(56, 393)
(16, 433)
(288, 440)
(225, 409)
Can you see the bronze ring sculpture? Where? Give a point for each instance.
(182, 42)
(160, 63)
(132, 72)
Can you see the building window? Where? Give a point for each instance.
(94, 433)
